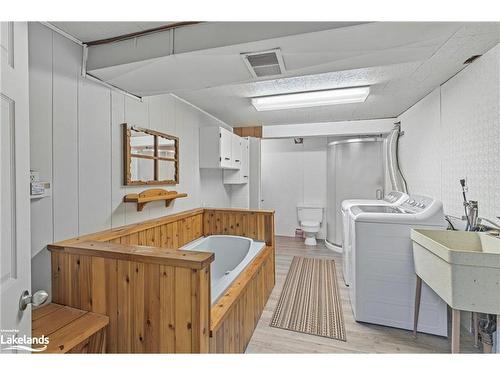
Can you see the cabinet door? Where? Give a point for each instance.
(239, 176)
(226, 139)
(236, 151)
(245, 160)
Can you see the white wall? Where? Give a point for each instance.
(240, 195)
(76, 142)
(293, 174)
(454, 132)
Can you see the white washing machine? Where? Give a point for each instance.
(394, 198)
(382, 289)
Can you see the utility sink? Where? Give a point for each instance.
(463, 268)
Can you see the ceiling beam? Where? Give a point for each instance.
(141, 33)
(204, 36)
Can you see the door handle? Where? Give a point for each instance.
(227, 159)
(37, 299)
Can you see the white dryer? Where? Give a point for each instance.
(394, 198)
(382, 289)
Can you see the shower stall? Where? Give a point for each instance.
(355, 170)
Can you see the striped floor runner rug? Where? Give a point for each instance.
(310, 302)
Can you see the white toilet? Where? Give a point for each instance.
(310, 218)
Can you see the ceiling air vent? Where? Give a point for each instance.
(265, 63)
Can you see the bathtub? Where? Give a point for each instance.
(232, 255)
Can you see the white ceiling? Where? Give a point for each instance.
(90, 31)
(402, 62)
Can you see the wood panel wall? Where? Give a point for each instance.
(166, 307)
(249, 131)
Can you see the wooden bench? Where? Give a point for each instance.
(69, 330)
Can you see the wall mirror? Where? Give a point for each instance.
(150, 157)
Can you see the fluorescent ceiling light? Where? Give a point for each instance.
(311, 99)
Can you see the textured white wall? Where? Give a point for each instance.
(454, 132)
(420, 147)
(291, 175)
(76, 142)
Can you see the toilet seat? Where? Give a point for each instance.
(310, 226)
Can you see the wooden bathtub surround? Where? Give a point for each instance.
(237, 312)
(152, 195)
(158, 297)
(69, 330)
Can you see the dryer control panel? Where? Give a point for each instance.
(393, 196)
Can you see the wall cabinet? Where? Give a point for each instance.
(239, 176)
(219, 148)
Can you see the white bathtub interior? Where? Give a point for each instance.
(232, 255)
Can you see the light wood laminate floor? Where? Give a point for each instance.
(361, 337)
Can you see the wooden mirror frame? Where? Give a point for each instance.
(127, 156)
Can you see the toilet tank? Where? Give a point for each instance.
(310, 213)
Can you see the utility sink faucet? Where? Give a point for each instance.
(492, 226)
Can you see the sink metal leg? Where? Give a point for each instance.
(418, 294)
(498, 334)
(475, 324)
(455, 331)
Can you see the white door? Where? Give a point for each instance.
(15, 253)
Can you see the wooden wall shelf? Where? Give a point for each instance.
(152, 195)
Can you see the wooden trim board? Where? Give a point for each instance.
(145, 254)
(249, 131)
